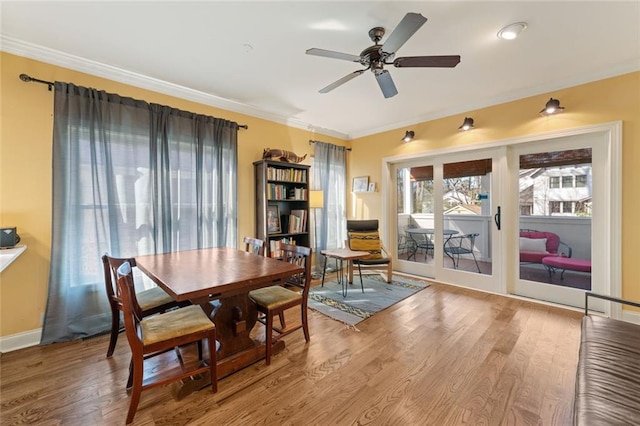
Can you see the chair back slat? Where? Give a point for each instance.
(110, 267)
(301, 256)
(254, 245)
(126, 292)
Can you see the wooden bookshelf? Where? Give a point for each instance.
(282, 192)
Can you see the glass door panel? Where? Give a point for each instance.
(415, 208)
(555, 206)
(467, 216)
(559, 186)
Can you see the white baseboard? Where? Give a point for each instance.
(630, 316)
(20, 340)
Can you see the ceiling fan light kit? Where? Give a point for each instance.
(375, 57)
(552, 107)
(512, 31)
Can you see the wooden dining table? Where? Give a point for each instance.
(226, 275)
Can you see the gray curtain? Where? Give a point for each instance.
(329, 174)
(129, 178)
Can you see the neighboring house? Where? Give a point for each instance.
(557, 191)
(464, 209)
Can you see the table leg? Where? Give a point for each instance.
(341, 278)
(324, 270)
(234, 317)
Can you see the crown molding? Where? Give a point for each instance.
(76, 63)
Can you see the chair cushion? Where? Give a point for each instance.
(366, 241)
(153, 298)
(274, 296)
(163, 327)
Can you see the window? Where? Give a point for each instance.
(554, 182)
(567, 207)
(555, 207)
(581, 181)
(567, 181)
(130, 178)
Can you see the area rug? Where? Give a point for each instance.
(358, 306)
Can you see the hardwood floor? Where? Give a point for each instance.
(444, 356)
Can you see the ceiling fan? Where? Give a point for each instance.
(375, 57)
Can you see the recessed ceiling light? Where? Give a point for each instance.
(330, 24)
(512, 31)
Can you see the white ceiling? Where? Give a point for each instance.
(198, 51)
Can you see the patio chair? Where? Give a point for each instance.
(461, 244)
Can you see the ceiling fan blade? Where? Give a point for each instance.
(332, 54)
(386, 84)
(403, 32)
(449, 61)
(342, 81)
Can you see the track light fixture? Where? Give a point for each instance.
(408, 137)
(467, 124)
(552, 107)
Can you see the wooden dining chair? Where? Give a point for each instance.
(254, 245)
(151, 301)
(158, 334)
(276, 299)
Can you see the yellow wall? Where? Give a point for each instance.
(25, 161)
(25, 173)
(599, 102)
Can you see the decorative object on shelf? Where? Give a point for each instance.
(467, 124)
(9, 237)
(552, 107)
(360, 184)
(408, 136)
(273, 220)
(282, 155)
(372, 187)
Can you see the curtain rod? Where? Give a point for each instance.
(312, 141)
(27, 79)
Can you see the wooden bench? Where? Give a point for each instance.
(608, 377)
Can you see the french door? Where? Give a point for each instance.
(563, 185)
(560, 197)
(448, 220)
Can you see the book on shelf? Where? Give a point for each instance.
(275, 246)
(288, 174)
(297, 221)
(298, 194)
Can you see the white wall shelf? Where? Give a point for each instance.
(9, 255)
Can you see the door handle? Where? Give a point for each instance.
(496, 218)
